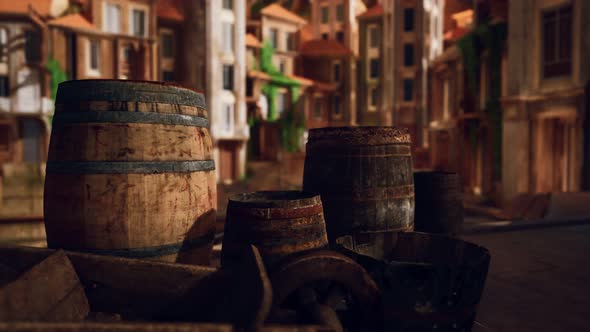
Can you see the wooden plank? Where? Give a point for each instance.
(49, 291)
(114, 327)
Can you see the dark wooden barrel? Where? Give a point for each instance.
(278, 223)
(364, 177)
(429, 282)
(130, 171)
(439, 202)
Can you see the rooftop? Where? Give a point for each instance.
(170, 10)
(375, 11)
(73, 21)
(252, 41)
(277, 11)
(321, 47)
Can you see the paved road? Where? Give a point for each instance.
(539, 280)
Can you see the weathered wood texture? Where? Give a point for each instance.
(439, 202)
(278, 223)
(429, 282)
(131, 163)
(49, 291)
(364, 177)
(136, 289)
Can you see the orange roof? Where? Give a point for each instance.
(278, 11)
(170, 10)
(323, 86)
(73, 21)
(21, 7)
(374, 11)
(302, 80)
(252, 41)
(305, 33)
(320, 47)
(258, 74)
(455, 33)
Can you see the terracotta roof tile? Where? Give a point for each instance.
(305, 33)
(258, 74)
(252, 41)
(278, 11)
(21, 7)
(374, 11)
(73, 21)
(302, 80)
(170, 10)
(321, 47)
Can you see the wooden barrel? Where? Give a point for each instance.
(439, 203)
(428, 282)
(130, 171)
(278, 223)
(364, 177)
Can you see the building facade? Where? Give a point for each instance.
(544, 105)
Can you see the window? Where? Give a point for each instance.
(291, 46)
(408, 55)
(93, 56)
(339, 13)
(374, 68)
(168, 76)
(408, 90)
(325, 14)
(228, 77)
(340, 36)
(3, 44)
(167, 45)
(228, 4)
(138, 22)
(373, 37)
(336, 72)
(408, 19)
(557, 41)
(282, 66)
(228, 37)
(274, 38)
(324, 36)
(317, 108)
(228, 118)
(4, 86)
(336, 106)
(373, 97)
(282, 99)
(112, 18)
(32, 46)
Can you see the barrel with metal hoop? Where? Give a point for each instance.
(278, 223)
(364, 177)
(130, 171)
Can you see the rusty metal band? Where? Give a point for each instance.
(156, 251)
(128, 167)
(277, 213)
(129, 117)
(329, 156)
(127, 91)
(369, 194)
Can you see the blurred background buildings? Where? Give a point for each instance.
(494, 90)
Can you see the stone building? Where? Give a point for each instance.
(544, 105)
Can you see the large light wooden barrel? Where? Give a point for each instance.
(130, 171)
(278, 223)
(364, 177)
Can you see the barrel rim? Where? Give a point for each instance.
(128, 91)
(251, 199)
(361, 135)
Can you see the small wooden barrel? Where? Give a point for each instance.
(278, 223)
(364, 177)
(428, 282)
(130, 171)
(439, 203)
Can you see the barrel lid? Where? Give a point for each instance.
(275, 199)
(359, 135)
(128, 91)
